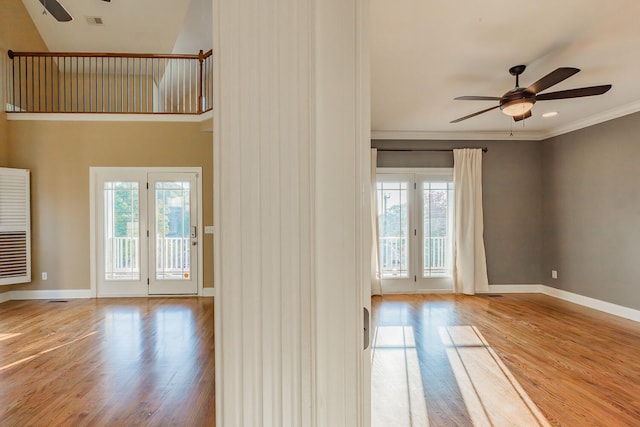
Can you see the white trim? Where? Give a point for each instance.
(93, 267)
(420, 292)
(605, 116)
(5, 296)
(457, 136)
(505, 135)
(100, 117)
(50, 294)
(607, 307)
(94, 171)
(40, 294)
(596, 304)
(200, 231)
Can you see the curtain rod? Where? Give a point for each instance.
(484, 149)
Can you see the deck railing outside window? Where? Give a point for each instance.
(394, 256)
(173, 256)
(109, 83)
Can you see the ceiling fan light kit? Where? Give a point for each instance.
(518, 102)
(517, 107)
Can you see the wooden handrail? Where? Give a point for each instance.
(13, 54)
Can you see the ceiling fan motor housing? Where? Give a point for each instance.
(517, 101)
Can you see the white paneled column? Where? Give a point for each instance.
(291, 138)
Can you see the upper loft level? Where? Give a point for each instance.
(107, 83)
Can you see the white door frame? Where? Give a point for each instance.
(94, 173)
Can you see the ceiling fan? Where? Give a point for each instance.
(56, 10)
(518, 102)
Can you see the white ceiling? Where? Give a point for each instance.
(130, 26)
(423, 54)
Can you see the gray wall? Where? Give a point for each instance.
(511, 200)
(591, 211)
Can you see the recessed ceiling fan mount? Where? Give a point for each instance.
(518, 102)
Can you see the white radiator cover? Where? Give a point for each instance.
(15, 226)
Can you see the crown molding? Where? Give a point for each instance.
(450, 136)
(605, 116)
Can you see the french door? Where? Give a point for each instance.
(147, 234)
(415, 219)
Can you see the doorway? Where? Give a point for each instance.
(146, 231)
(415, 217)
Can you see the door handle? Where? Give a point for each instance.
(366, 328)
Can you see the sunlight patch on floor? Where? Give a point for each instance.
(488, 392)
(492, 395)
(40, 353)
(7, 336)
(397, 389)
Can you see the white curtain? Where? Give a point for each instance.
(376, 286)
(469, 262)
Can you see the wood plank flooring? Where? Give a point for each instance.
(579, 367)
(139, 362)
(107, 362)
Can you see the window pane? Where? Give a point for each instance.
(172, 231)
(393, 228)
(121, 231)
(437, 228)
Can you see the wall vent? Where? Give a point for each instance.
(94, 20)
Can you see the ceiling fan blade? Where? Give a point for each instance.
(552, 78)
(56, 10)
(574, 93)
(472, 115)
(522, 116)
(477, 98)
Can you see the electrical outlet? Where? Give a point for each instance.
(554, 274)
(44, 275)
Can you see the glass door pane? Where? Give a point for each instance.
(393, 222)
(121, 231)
(173, 237)
(434, 232)
(436, 242)
(173, 223)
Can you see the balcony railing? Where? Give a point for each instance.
(172, 256)
(394, 256)
(46, 82)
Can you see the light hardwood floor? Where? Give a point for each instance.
(107, 362)
(579, 367)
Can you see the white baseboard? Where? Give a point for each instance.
(50, 294)
(208, 292)
(606, 307)
(5, 296)
(79, 293)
